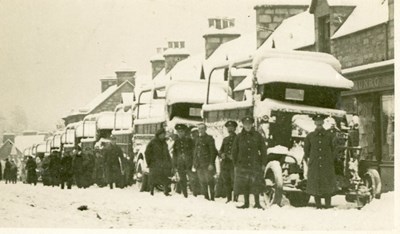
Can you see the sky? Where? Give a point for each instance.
(54, 52)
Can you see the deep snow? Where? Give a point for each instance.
(27, 206)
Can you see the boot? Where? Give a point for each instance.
(257, 202)
(246, 202)
(111, 186)
(212, 193)
(318, 202)
(229, 196)
(328, 201)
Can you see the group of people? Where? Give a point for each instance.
(106, 165)
(241, 161)
(10, 171)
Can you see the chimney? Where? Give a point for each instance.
(125, 75)
(270, 15)
(8, 136)
(176, 52)
(107, 83)
(220, 30)
(157, 62)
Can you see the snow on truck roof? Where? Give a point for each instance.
(299, 67)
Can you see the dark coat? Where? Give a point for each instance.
(204, 152)
(7, 170)
(226, 149)
(112, 158)
(55, 166)
(100, 170)
(182, 154)
(30, 167)
(249, 153)
(319, 147)
(66, 167)
(159, 162)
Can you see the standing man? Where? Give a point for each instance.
(30, 167)
(158, 160)
(77, 165)
(319, 150)
(113, 155)
(7, 171)
(193, 178)
(204, 162)
(225, 153)
(248, 152)
(66, 170)
(54, 167)
(182, 156)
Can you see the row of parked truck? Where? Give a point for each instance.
(287, 89)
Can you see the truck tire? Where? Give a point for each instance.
(274, 181)
(373, 181)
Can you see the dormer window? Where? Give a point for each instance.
(219, 23)
(176, 44)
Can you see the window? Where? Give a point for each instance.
(324, 34)
(387, 116)
(294, 94)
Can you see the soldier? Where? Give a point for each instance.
(182, 156)
(77, 166)
(54, 168)
(193, 178)
(225, 153)
(7, 171)
(248, 152)
(112, 156)
(88, 167)
(100, 177)
(319, 147)
(204, 162)
(1, 172)
(158, 160)
(66, 171)
(31, 171)
(13, 172)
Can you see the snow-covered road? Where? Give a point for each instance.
(23, 205)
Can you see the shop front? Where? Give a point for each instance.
(372, 100)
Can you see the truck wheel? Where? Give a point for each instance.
(140, 177)
(298, 199)
(274, 181)
(372, 181)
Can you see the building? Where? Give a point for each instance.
(360, 34)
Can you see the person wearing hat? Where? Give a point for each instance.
(182, 156)
(194, 182)
(30, 167)
(158, 160)
(225, 153)
(319, 147)
(205, 154)
(66, 170)
(248, 152)
(112, 158)
(54, 167)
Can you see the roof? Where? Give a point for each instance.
(23, 142)
(335, 3)
(188, 69)
(239, 72)
(245, 84)
(293, 33)
(368, 13)
(8, 148)
(211, 31)
(176, 51)
(265, 3)
(297, 71)
(157, 57)
(368, 66)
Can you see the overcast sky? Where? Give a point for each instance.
(53, 52)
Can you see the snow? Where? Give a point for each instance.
(283, 2)
(23, 142)
(157, 57)
(211, 31)
(368, 66)
(245, 84)
(278, 150)
(178, 120)
(267, 105)
(362, 17)
(343, 2)
(187, 69)
(228, 105)
(149, 120)
(235, 72)
(293, 33)
(307, 72)
(195, 92)
(127, 98)
(26, 206)
(109, 120)
(99, 99)
(89, 131)
(176, 51)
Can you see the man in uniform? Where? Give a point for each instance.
(193, 178)
(182, 153)
(31, 171)
(204, 162)
(54, 167)
(66, 170)
(225, 153)
(319, 149)
(113, 155)
(248, 153)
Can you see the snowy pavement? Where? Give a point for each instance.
(27, 206)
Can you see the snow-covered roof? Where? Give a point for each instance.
(245, 84)
(127, 98)
(333, 3)
(267, 105)
(368, 13)
(150, 120)
(297, 71)
(106, 120)
(87, 129)
(23, 142)
(188, 69)
(368, 66)
(263, 3)
(293, 33)
(228, 105)
(195, 92)
(99, 99)
(157, 57)
(235, 72)
(176, 51)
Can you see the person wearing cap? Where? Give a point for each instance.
(112, 157)
(54, 167)
(66, 170)
(182, 156)
(225, 153)
(248, 153)
(77, 166)
(30, 167)
(205, 154)
(194, 182)
(158, 160)
(319, 147)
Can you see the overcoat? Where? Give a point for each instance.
(112, 156)
(182, 153)
(319, 148)
(204, 156)
(248, 153)
(66, 168)
(159, 162)
(31, 171)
